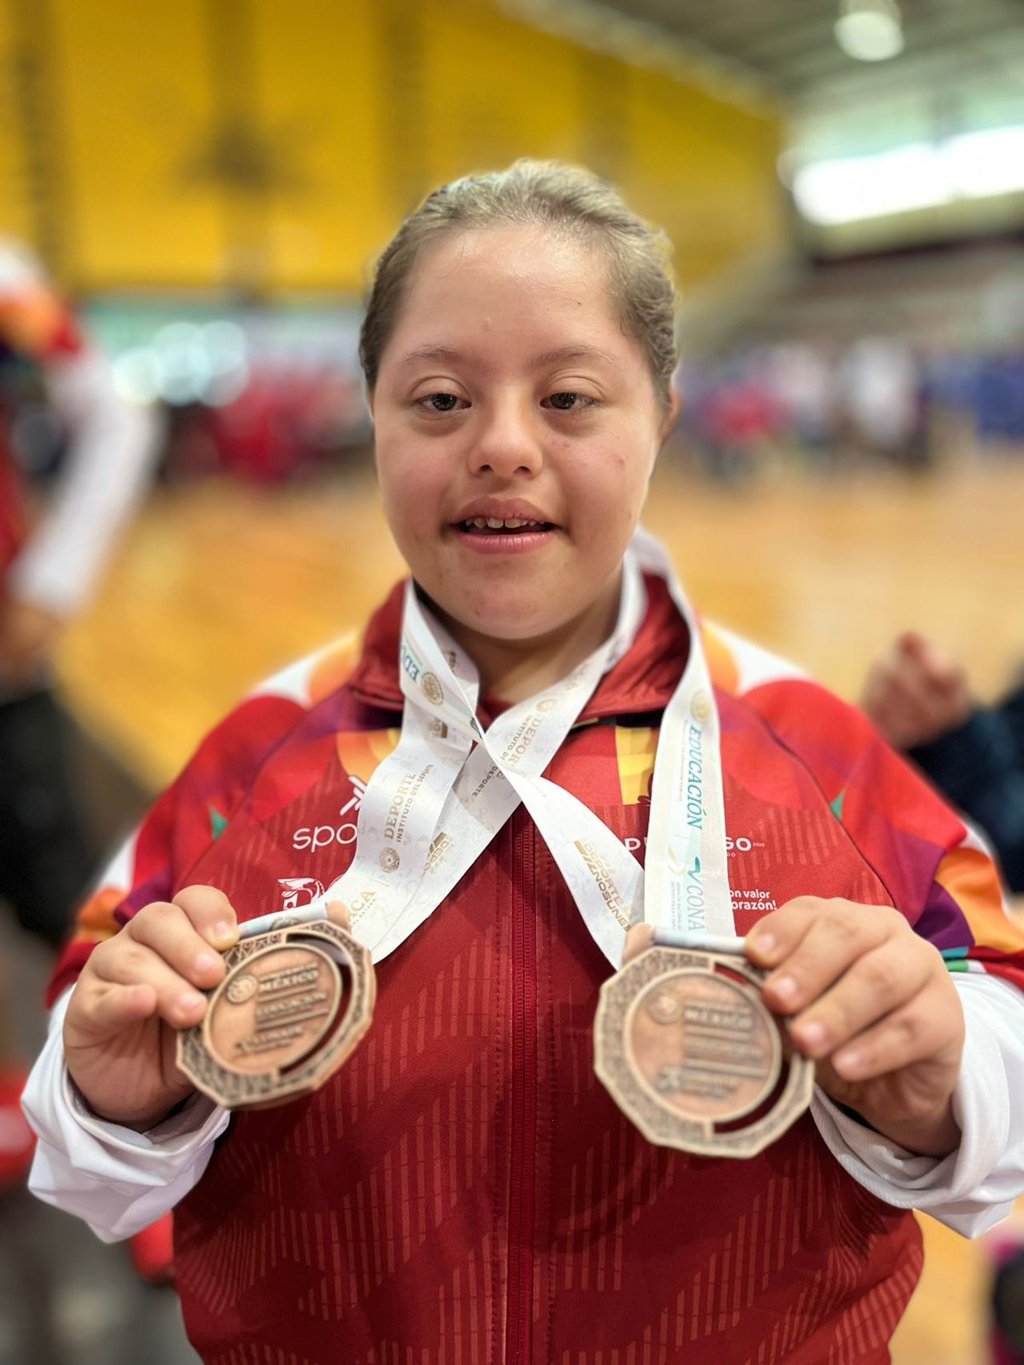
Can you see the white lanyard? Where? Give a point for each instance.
(433, 805)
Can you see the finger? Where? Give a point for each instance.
(211, 914)
(877, 984)
(920, 657)
(878, 684)
(913, 696)
(639, 937)
(178, 1003)
(911, 643)
(916, 1033)
(887, 709)
(937, 684)
(813, 943)
(938, 668)
(101, 1009)
(777, 934)
(913, 710)
(337, 912)
(167, 931)
(910, 661)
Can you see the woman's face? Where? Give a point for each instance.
(516, 429)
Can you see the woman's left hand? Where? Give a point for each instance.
(875, 1006)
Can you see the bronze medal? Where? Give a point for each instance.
(687, 1048)
(293, 1005)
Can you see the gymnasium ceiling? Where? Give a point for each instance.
(962, 66)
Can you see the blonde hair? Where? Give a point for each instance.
(547, 193)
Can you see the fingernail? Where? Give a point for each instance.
(850, 1065)
(784, 988)
(812, 1033)
(189, 1001)
(206, 962)
(224, 932)
(762, 942)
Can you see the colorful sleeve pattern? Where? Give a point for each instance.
(935, 869)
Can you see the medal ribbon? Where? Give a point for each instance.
(436, 802)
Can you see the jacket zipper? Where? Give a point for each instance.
(522, 1110)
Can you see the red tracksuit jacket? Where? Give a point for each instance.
(464, 1191)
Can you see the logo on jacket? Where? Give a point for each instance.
(297, 891)
(342, 831)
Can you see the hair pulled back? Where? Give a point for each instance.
(551, 194)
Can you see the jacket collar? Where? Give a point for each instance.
(642, 681)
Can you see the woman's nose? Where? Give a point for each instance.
(506, 442)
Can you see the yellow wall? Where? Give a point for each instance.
(133, 103)
(275, 144)
(16, 212)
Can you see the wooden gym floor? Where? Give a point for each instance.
(219, 584)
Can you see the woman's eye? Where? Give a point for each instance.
(439, 402)
(569, 402)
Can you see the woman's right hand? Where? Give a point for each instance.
(135, 993)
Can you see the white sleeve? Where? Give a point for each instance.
(975, 1187)
(113, 446)
(119, 1181)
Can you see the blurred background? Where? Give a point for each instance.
(192, 194)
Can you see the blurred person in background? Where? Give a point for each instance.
(52, 551)
(920, 698)
(881, 392)
(464, 1184)
(998, 394)
(802, 381)
(732, 415)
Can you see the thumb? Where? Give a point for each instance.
(337, 912)
(638, 937)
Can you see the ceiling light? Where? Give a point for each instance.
(976, 165)
(869, 30)
(833, 192)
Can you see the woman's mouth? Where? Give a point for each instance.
(503, 535)
(492, 526)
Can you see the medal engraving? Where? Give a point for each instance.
(704, 1046)
(691, 1054)
(274, 1009)
(275, 1027)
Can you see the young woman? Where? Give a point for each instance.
(464, 1189)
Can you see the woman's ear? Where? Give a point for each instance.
(373, 443)
(675, 407)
